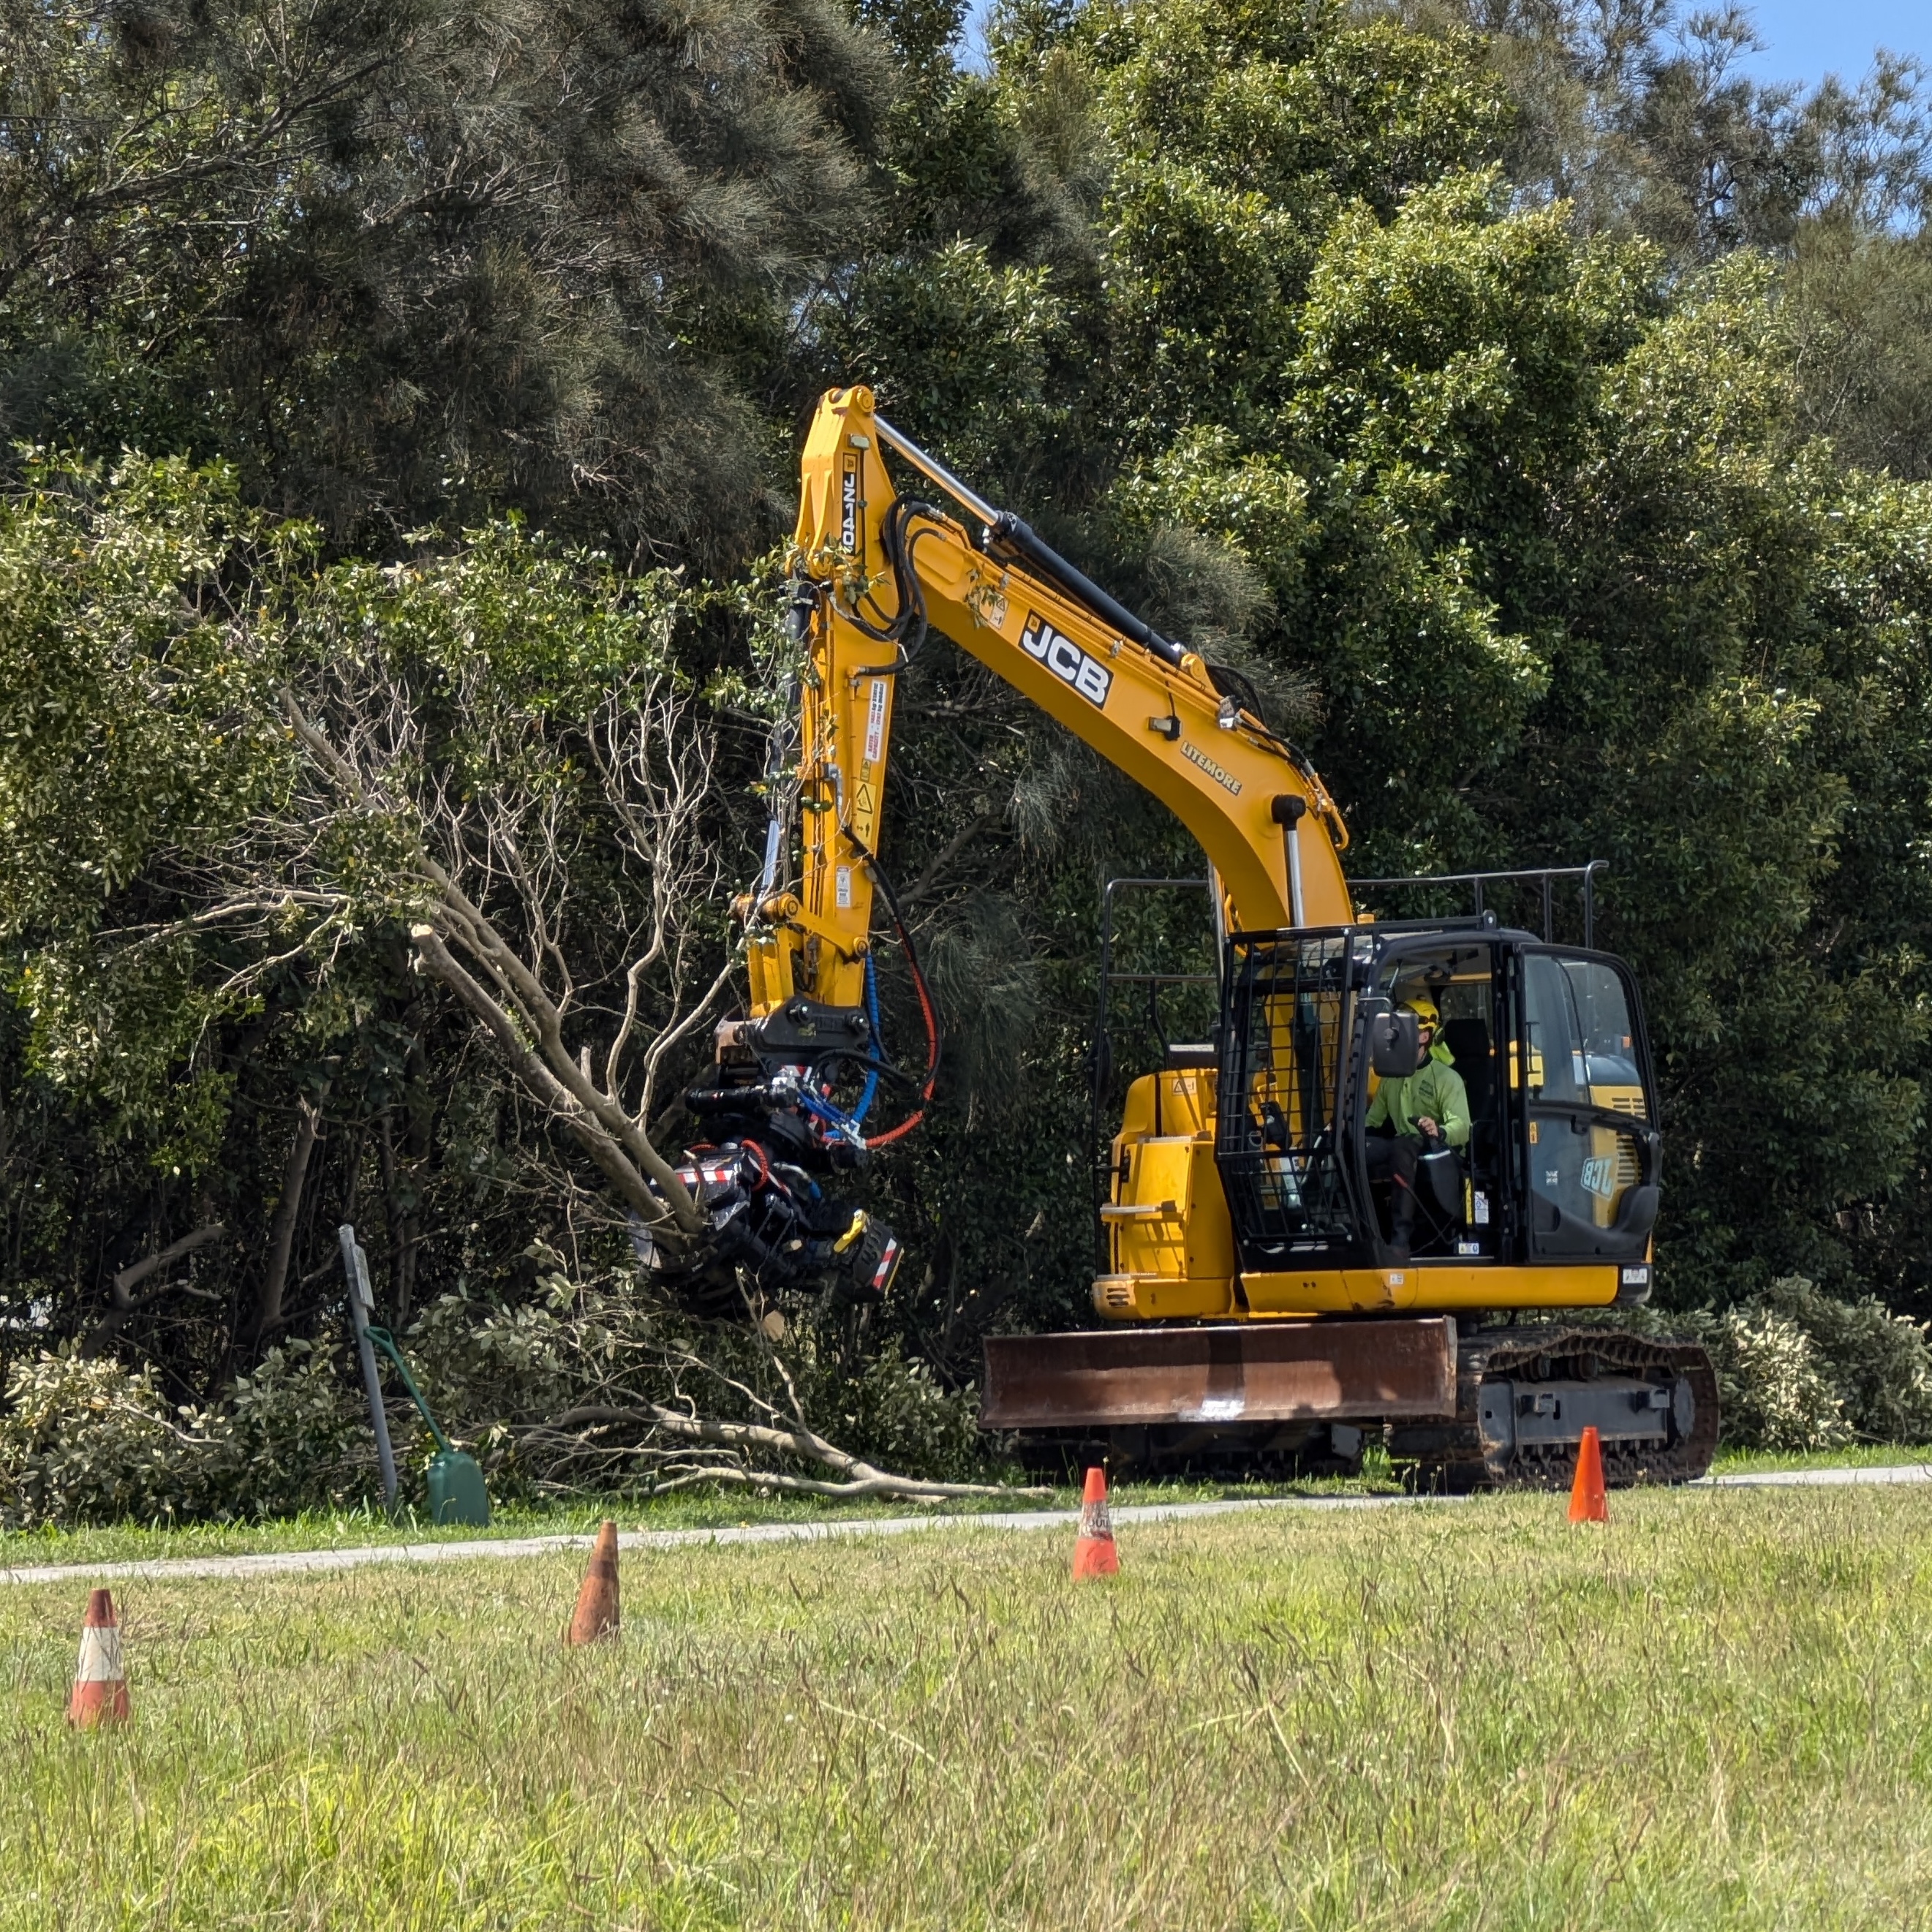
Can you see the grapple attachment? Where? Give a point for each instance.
(772, 1230)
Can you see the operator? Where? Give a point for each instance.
(1415, 1115)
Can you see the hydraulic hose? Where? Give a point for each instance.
(871, 1086)
(928, 1012)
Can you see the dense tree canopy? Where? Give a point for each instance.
(1534, 407)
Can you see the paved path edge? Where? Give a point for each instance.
(295, 1562)
(289, 1562)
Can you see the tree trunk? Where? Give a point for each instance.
(288, 1209)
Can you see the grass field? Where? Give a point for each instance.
(1716, 1713)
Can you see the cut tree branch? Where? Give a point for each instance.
(805, 1443)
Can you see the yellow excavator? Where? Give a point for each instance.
(1265, 1294)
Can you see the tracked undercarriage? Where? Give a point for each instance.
(1499, 1407)
(1524, 1397)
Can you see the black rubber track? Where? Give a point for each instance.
(1451, 1453)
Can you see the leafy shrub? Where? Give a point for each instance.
(92, 1440)
(1880, 1363)
(896, 1416)
(84, 1440)
(295, 1436)
(1775, 1389)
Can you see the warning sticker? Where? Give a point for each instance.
(875, 721)
(842, 887)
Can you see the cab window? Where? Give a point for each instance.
(1582, 1069)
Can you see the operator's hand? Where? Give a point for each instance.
(1429, 1127)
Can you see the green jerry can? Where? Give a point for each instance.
(454, 1484)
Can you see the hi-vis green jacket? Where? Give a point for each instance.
(1435, 1089)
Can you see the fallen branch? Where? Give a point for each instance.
(862, 1479)
(904, 1487)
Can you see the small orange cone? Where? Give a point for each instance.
(596, 1615)
(1586, 1493)
(99, 1686)
(1093, 1551)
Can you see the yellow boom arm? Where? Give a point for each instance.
(1151, 708)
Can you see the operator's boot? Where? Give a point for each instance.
(1402, 1219)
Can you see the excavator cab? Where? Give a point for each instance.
(1243, 1218)
(1558, 1166)
(1240, 1185)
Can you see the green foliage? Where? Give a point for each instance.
(1773, 1391)
(1802, 1369)
(1533, 413)
(397, 262)
(132, 708)
(87, 1440)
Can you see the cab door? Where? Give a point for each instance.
(1584, 1102)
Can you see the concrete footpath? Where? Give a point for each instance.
(283, 1562)
(290, 1562)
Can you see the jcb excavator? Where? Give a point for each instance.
(1258, 1297)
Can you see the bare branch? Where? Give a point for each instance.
(137, 1272)
(863, 1478)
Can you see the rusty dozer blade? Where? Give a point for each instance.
(1250, 1372)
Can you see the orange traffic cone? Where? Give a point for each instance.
(99, 1687)
(1586, 1493)
(596, 1614)
(1093, 1551)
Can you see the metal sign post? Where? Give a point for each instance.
(362, 1306)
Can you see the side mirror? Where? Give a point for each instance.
(1637, 1214)
(1394, 1040)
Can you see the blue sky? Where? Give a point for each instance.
(1806, 39)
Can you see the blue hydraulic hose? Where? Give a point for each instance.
(822, 1109)
(871, 1085)
(848, 1125)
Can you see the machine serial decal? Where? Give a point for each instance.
(1067, 661)
(1207, 765)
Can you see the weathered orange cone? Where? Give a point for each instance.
(100, 1686)
(1586, 1493)
(596, 1614)
(1093, 1551)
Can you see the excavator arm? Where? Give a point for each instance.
(874, 572)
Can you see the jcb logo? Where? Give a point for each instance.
(1067, 661)
(848, 507)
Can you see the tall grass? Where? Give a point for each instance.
(1718, 1713)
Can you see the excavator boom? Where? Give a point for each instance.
(875, 570)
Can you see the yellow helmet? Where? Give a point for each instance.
(1423, 1008)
